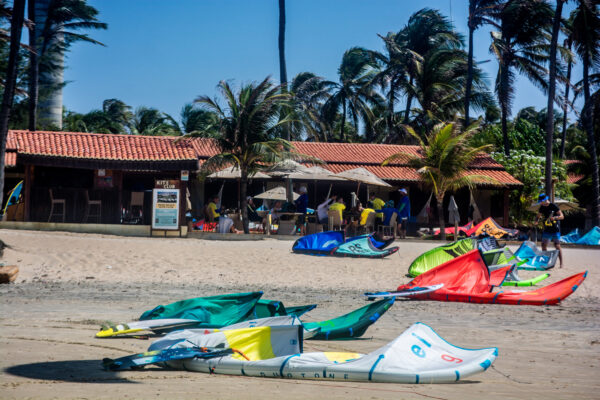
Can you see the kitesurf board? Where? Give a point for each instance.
(404, 293)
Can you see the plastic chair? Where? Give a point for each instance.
(54, 202)
(391, 228)
(369, 225)
(88, 206)
(335, 221)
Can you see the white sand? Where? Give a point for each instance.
(69, 283)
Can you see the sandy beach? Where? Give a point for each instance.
(69, 284)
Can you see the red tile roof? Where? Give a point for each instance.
(102, 146)
(338, 156)
(574, 178)
(10, 158)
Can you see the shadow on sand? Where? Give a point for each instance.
(68, 371)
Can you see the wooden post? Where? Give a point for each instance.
(506, 202)
(29, 173)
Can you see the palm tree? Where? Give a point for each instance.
(354, 93)
(520, 44)
(194, 119)
(152, 122)
(57, 23)
(567, 44)
(308, 92)
(586, 41)
(480, 12)
(247, 138)
(445, 155)
(16, 27)
(551, 92)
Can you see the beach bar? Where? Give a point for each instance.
(85, 178)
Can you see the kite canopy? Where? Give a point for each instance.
(467, 279)
(592, 238)
(333, 243)
(440, 255)
(489, 227)
(213, 311)
(353, 324)
(537, 260)
(419, 355)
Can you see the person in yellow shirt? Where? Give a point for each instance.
(213, 209)
(339, 206)
(375, 203)
(364, 214)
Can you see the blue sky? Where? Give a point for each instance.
(164, 54)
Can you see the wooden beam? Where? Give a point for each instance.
(506, 203)
(29, 174)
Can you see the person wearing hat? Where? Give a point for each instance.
(301, 206)
(551, 215)
(403, 212)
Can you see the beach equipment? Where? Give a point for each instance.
(591, 238)
(439, 255)
(468, 279)
(490, 227)
(351, 325)
(461, 230)
(334, 243)
(419, 355)
(563, 205)
(245, 309)
(528, 256)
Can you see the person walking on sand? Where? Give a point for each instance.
(301, 206)
(403, 212)
(551, 215)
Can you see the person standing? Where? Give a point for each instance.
(215, 212)
(322, 212)
(403, 212)
(552, 216)
(301, 206)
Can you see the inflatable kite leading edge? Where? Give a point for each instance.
(333, 243)
(419, 355)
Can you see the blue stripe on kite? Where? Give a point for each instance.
(575, 287)
(519, 302)
(422, 340)
(327, 335)
(417, 379)
(496, 352)
(486, 364)
(243, 372)
(585, 275)
(545, 300)
(457, 375)
(351, 332)
(283, 364)
(381, 357)
(494, 299)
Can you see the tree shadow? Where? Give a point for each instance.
(82, 371)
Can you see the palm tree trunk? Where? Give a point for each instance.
(34, 68)
(588, 126)
(504, 105)
(551, 91)
(243, 200)
(442, 221)
(342, 136)
(408, 104)
(469, 78)
(565, 107)
(390, 118)
(16, 27)
(282, 67)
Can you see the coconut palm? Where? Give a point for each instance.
(551, 91)
(194, 119)
(16, 27)
(308, 93)
(152, 122)
(445, 155)
(567, 44)
(57, 25)
(247, 138)
(586, 41)
(354, 93)
(520, 44)
(481, 12)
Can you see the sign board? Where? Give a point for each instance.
(185, 175)
(165, 209)
(166, 184)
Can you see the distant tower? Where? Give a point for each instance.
(50, 81)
